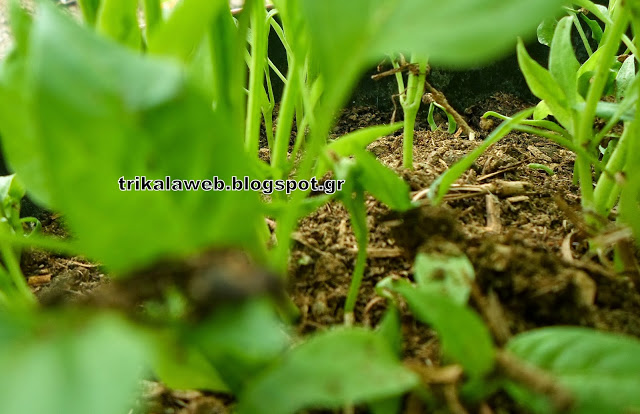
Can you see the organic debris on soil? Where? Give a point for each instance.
(524, 244)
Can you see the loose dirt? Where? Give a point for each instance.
(527, 248)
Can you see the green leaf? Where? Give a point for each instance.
(545, 87)
(185, 28)
(600, 369)
(183, 366)
(347, 145)
(596, 30)
(88, 112)
(463, 335)
(118, 20)
(541, 111)
(240, 339)
(347, 36)
(334, 368)
(11, 189)
(89, 10)
(74, 368)
(382, 182)
(390, 329)
(563, 64)
(448, 274)
(370, 29)
(625, 77)
(545, 30)
(608, 110)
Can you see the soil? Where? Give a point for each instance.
(527, 249)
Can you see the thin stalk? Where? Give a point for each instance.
(607, 189)
(13, 269)
(267, 113)
(359, 222)
(410, 106)
(152, 14)
(583, 36)
(256, 78)
(584, 131)
(285, 120)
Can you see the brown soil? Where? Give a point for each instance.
(525, 277)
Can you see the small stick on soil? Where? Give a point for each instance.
(494, 224)
(499, 188)
(453, 402)
(493, 314)
(573, 217)
(504, 170)
(535, 379)
(439, 98)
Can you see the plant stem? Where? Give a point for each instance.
(358, 212)
(584, 130)
(13, 269)
(256, 77)
(607, 189)
(285, 119)
(410, 105)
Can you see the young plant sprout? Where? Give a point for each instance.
(84, 104)
(410, 99)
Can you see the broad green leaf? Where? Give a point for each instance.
(463, 335)
(545, 87)
(563, 64)
(88, 112)
(240, 339)
(545, 30)
(185, 28)
(183, 367)
(541, 111)
(118, 20)
(608, 110)
(390, 329)
(382, 182)
(347, 36)
(446, 274)
(624, 78)
(56, 366)
(331, 369)
(600, 369)
(369, 29)
(348, 144)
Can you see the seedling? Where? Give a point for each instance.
(83, 105)
(13, 285)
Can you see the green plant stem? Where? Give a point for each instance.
(584, 131)
(256, 77)
(267, 109)
(583, 37)
(285, 119)
(13, 269)
(152, 14)
(410, 106)
(359, 222)
(607, 189)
